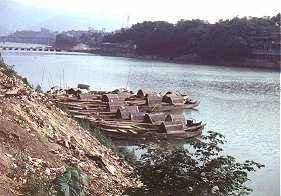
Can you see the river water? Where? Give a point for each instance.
(241, 103)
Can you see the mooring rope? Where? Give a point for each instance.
(129, 74)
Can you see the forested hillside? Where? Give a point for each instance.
(227, 39)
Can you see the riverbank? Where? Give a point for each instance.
(193, 59)
(245, 101)
(39, 142)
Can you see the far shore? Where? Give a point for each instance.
(249, 63)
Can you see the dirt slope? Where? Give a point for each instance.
(40, 140)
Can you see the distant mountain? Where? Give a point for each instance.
(4, 31)
(67, 22)
(21, 17)
(15, 16)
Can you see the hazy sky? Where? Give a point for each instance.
(170, 10)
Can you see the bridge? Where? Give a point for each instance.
(38, 49)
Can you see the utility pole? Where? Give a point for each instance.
(128, 21)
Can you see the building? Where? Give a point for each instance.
(266, 47)
(44, 36)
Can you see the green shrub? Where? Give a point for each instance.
(38, 89)
(8, 69)
(194, 170)
(72, 183)
(26, 83)
(128, 155)
(96, 132)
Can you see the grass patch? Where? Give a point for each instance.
(8, 69)
(10, 72)
(89, 126)
(96, 132)
(27, 83)
(66, 110)
(38, 89)
(128, 155)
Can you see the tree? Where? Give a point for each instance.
(186, 35)
(153, 38)
(194, 170)
(220, 43)
(65, 41)
(227, 40)
(72, 183)
(277, 20)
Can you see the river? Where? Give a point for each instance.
(241, 103)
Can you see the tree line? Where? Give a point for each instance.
(68, 39)
(226, 39)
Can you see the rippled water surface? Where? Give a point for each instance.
(241, 103)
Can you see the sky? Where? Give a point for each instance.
(110, 15)
(169, 10)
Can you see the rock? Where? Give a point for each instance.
(111, 169)
(13, 92)
(16, 92)
(47, 171)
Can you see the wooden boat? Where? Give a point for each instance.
(144, 93)
(116, 134)
(172, 127)
(195, 127)
(125, 116)
(167, 107)
(154, 118)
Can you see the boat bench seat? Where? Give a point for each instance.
(124, 112)
(137, 116)
(152, 100)
(154, 118)
(110, 98)
(170, 128)
(173, 99)
(143, 93)
(123, 95)
(175, 118)
(113, 106)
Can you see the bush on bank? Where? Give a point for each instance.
(197, 169)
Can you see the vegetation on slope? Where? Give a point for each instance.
(199, 168)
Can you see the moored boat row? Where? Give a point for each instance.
(121, 114)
